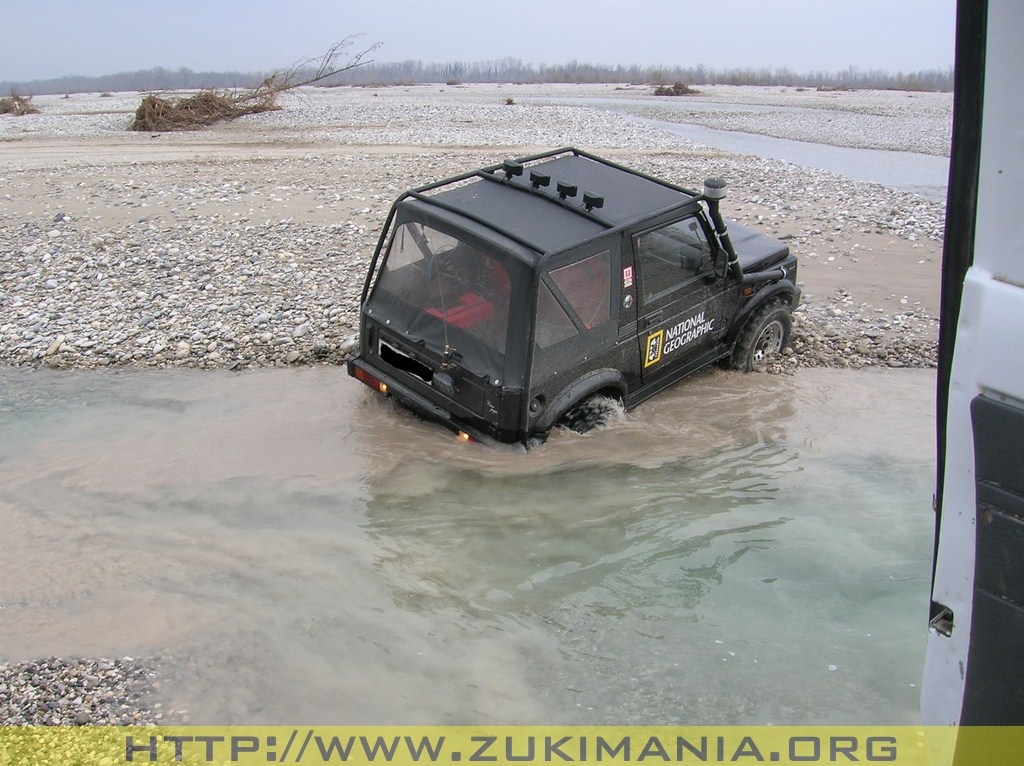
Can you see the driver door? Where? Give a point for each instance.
(679, 315)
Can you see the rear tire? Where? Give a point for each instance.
(591, 413)
(764, 337)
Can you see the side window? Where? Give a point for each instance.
(581, 289)
(586, 285)
(553, 324)
(671, 256)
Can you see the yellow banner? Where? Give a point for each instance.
(784, 745)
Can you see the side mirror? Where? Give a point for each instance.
(721, 264)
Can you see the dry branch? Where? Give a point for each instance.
(158, 115)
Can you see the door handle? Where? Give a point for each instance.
(651, 319)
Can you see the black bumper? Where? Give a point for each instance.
(423, 407)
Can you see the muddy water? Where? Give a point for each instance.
(745, 548)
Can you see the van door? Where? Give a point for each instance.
(679, 316)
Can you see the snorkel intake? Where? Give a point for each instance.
(714, 192)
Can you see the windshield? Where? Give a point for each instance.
(437, 287)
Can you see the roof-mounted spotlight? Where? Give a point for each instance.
(565, 189)
(539, 179)
(511, 169)
(590, 201)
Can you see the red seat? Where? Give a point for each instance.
(470, 310)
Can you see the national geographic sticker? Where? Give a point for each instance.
(655, 342)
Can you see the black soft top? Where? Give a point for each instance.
(511, 199)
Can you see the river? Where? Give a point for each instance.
(741, 549)
(922, 174)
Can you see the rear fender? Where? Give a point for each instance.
(589, 384)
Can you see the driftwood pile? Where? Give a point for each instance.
(158, 115)
(17, 105)
(679, 89)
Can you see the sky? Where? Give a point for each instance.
(55, 38)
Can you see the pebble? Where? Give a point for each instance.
(827, 336)
(57, 691)
(917, 122)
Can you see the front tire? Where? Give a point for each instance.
(764, 337)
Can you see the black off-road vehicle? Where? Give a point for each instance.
(513, 299)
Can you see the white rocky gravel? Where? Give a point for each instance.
(246, 245)
(254, 252)
(893, 121)
(554, 114)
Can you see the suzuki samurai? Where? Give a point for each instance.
(524, 296)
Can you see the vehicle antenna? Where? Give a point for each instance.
(448, 350)
(434, 272)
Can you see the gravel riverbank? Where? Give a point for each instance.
(894, 121)
(77, 692)
(246, 245)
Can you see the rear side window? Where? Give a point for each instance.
(574, 299)
(553, 324)
(586, 286)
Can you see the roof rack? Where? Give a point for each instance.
(538, 185)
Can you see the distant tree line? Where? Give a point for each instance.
(146, 80)
(509, 70)
(514, 70)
